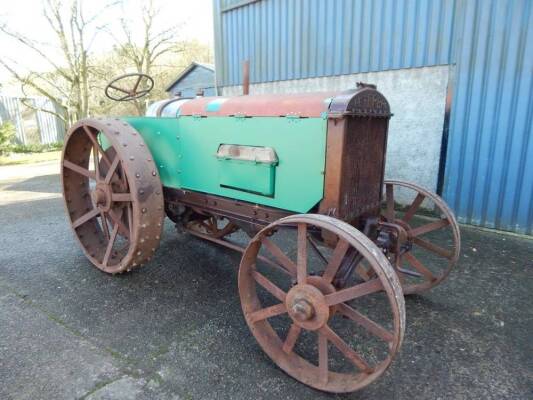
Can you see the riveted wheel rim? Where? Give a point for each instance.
(307, 297)
(113, 196)
(433, 242)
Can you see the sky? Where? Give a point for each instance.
(26, 16)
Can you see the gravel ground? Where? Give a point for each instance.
(174, 329)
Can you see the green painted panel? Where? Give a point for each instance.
(161, 136)
(185, 151)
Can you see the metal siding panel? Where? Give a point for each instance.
(489, 169)
(311, 38)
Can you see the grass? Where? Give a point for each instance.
(29, 158)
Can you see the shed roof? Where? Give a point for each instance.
(187, 70)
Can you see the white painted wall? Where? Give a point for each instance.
(417, 98)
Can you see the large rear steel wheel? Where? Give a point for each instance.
(335, 339)
(113, 196)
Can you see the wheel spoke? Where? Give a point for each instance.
(292, 337)
(118, 88)
(433, 226)
(111, 171)
(419, 266)
(365, 322)
(301, 266)
(413, 207)
(278, 254)
(345, 349)
(105, 227)
(79, 170)
(137, 84)
(433, 248)
(269, 286)
(336, 260)
(117, 219)
(121, 197)
(390, 203)
(127, 97)
(268, 312)
(86, 217)
(364, 272)
(354, 292)
(92, 137)
(110, 245)
(323, 369)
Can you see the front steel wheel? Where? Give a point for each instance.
(112, 193)
(431, 237)
(331, 337)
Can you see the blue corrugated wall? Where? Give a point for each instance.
(489, 171)
(489, 158)
(293, 39)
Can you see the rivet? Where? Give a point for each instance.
(143, 210)
(159, 208)
(141, 191)
(124, 144)
(154, 173)
(117, 132)
(139, 253)
(142, 240)
(157, 237)
(141, 144)
(153, 249)
(132, 158)
(157, 192)
(149, 159)
(159, 224)
(137, 175)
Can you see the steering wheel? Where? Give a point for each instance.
(136, 81)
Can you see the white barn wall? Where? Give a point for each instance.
(417, 98)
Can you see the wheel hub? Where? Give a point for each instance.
(102, 196)
(307, 306)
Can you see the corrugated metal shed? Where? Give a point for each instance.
(489, 173)
(294, 39)
(197, 76)
(32, 124)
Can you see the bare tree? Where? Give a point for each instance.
(155, 41)
(67, 84)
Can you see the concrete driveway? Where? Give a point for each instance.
(174, 329)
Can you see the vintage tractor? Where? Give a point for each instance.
(333, 246)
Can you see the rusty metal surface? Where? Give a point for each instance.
(248, 213)
(311, 300)
(355, 164)
(411, 241)
(268, 105)
(365, 101)
(116, 208)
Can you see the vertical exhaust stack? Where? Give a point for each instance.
(246, 77)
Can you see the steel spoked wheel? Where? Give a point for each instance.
(336, 339)
(213, 226)
(431, 241)
(114, 196)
